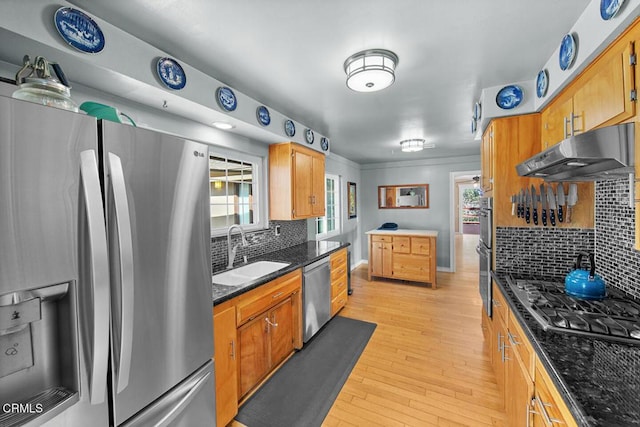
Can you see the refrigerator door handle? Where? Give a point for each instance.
(164, 413)
(99, 272)
(124, 236)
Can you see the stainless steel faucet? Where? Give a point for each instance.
(231, 252)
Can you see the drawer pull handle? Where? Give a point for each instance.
(512, 340)
(233, 350)
(279, 294)
(270, 323)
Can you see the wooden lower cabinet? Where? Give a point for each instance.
(338, 261)
(263, 343)
(226, 364)
(547, 407)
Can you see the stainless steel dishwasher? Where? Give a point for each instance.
(316, 296)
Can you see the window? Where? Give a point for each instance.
(234, 188)
(329, 225)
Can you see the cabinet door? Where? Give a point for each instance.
(253, 349)
(226, 367)
(519, 390)
(606, 97)
(377, 250)
(302, 184)
(387, 259)
(318, 191)
(486, 163)
(500, 352)
(280, 327)
(556, 122)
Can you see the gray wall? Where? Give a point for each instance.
(436, 173)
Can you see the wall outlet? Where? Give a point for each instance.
(277, 230)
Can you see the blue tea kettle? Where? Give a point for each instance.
(585, 284)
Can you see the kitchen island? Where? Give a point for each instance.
(598, 380)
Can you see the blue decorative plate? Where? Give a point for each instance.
(474, 126)
(171, 73)
(263, 116)
(308, 135)
(609, 8)
(567, 52)
(542, 83)
(509, 97)
(79, 30)
(289, 128)
(226, 98)
(477, 111)
(324, 143)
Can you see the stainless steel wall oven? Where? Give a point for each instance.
(484, 251)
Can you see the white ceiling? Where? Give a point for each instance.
(289, 55)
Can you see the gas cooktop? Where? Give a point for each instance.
(615, 317)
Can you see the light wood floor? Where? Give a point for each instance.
(426, 363)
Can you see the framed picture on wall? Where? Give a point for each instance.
(352, 200)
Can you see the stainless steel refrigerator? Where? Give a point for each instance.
(105, 273)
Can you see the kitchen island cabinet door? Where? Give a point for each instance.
(226, 366)
(253, 349)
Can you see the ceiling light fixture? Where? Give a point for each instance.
(412, 145)
(223, 125)
(371, 70)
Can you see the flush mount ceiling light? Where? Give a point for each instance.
(223, 125)
(413, 145)
(371, 70)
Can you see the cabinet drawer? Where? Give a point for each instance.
(377, 238)
(499, 304)
(411, 267)
(260, 299)
(338, 286)
(338, 272)
(338, 259)
(420, 245)
(520, 344)
(338, 302)
(402, 245)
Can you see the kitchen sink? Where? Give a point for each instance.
(247, 273)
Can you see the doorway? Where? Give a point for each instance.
(465, 194)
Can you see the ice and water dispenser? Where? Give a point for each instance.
(39, 374)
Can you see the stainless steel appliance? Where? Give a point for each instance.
(485, 215)
(615, 317)
(316, 297)
(105, 294)
(600, 154)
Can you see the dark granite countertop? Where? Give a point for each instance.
(598, 379)
(298, 256)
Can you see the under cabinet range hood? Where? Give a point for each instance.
(597, 155)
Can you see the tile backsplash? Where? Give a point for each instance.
(616, 259)
(551, 252)
(260, 242)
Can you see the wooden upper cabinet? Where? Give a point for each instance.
(556, 122)
(486, 160)
(296, 182)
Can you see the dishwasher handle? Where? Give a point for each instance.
(317, 264)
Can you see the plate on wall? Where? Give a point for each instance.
(477, 111)
(289, 128)
(171, 73)
(324, 143)
(509, 97)
(226, 98)
(474, 126)
(609, 8)
(79, 30)
(567, 52)
(308, 136)
(542, 83)
(263, 116)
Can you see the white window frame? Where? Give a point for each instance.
(259, 188)
(338, 212)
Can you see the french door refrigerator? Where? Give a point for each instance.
(105, 273)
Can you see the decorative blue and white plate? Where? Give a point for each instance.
(226, 98)
(324, 143)
(171, 73)
(263, 116)
(509, 97)
(609, 8)
(289, 128)
(474, 126)
(308, 136)
(79, 30)
(567, 52)
(542, 83)
(477, 111)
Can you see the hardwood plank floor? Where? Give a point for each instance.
(426, 363)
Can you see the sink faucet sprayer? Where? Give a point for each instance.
(232, 251)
